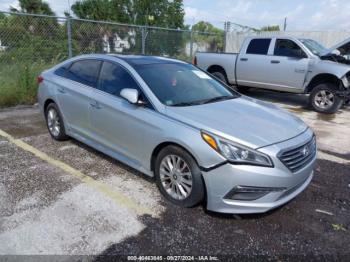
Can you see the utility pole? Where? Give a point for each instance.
(69, 8)
(285, 24)
(228, 26)
(225, 32)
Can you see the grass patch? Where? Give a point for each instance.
(18, 83)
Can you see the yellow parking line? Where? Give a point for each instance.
(102, 187)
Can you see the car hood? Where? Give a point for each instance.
(343, 47)
(247, 121)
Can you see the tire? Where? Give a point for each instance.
(181, 180)
(323, 99)
(242, 89)
(346, 102)
(54, 123)
(221, 76)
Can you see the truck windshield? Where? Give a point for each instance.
(315, 47)
(176, 84)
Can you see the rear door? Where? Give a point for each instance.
(74, 90)
(252, 65)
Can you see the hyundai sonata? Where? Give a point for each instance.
(168, 119)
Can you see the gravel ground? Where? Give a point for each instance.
(45, 210)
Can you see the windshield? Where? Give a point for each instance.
(315, 47)
(176, 84)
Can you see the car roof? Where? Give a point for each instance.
(137, 60)
(272, 36)
(132, 60)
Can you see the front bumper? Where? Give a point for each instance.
(343, 93)
(221, 181)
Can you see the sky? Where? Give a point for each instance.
(309, 15)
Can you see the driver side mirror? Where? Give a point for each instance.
(132, 96)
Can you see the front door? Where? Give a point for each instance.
(288, 65)
(116, 124)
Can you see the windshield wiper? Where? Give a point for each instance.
(205, 101)
(186, 104)
(216, 99)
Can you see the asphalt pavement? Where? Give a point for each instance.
(65, 198)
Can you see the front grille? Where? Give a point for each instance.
(298, 157)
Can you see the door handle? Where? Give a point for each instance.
(61, 90)
(275, 61)
(244, 59)
(95, 105)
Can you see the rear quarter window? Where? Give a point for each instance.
(61, 71)
(259, 46)
(84, 72)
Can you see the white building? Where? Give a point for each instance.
(120, 44)
(2, 48)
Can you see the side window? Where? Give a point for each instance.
(289, 48)
(259, 46)
(61, 71)
(113, 78)
(84, 71)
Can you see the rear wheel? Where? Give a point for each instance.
(242, 89)
(221, 76)
(178, 177)
(55, 123)
(323, 99)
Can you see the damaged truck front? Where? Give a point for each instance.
(286, 64)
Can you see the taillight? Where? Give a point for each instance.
(39, 79)
(194, 61)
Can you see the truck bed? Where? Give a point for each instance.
(212, 61)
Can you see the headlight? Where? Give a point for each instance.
(236, 153)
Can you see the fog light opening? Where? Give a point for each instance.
(245, 193)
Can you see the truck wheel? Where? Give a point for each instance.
(221, 76)
(323, 99)
(242, 89)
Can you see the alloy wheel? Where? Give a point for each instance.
(176, 177)
(53, 122)
(324, 99)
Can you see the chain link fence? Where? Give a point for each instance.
(30, 44)
(34, 38)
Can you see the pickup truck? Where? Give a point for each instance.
(287, 64)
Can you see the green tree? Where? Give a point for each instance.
(270, 28)
(33, 7)
(104, 10)
(205, 32)
(163, 13)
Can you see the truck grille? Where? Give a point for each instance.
(297, 158)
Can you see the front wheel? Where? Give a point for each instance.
(178, 177)
(323, 99)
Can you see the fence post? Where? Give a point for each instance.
(143, 39)
(191, 44)
(69, 36)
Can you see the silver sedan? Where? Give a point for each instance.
(168, 119)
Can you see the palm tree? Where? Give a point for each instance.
(33, 7)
